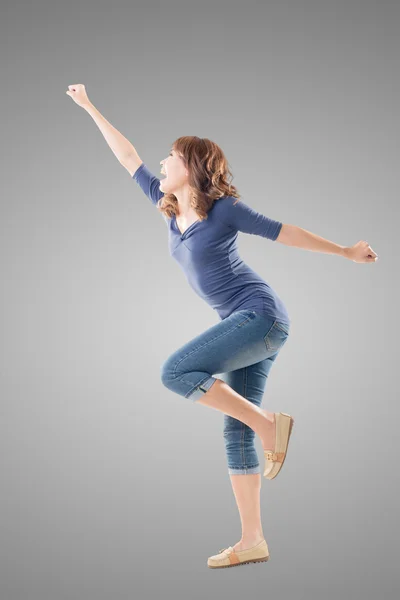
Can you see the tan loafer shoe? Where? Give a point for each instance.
(274, 460)
(228, 557)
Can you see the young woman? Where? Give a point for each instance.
(204, 214)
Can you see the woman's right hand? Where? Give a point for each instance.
(78, 94)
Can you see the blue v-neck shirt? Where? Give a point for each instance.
(207, 252)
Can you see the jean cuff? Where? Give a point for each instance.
(201, 388)
(244, 470)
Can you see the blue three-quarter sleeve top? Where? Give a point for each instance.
(207, 252)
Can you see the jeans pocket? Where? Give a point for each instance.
(247, 314)
(284, 326)
(276, 336)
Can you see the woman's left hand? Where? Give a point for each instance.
(361, 253)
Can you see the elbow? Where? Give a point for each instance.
(286, 234)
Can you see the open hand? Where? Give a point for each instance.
(78, 94)
(361, 253)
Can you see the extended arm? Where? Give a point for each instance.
(121, 147)
(291, 235)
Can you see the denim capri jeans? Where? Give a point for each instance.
(242, 348)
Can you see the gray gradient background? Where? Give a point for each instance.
(111, 485)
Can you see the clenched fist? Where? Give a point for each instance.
(78, 94)
(361, 253)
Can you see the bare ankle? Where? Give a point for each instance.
(270, 416)
(252, 539)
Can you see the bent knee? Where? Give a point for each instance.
(167, 373)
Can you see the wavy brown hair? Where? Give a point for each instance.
(208, 175)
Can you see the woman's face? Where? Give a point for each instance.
(176, 175)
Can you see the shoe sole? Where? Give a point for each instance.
(287, 445)
(245, 562)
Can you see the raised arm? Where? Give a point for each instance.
(121, 147)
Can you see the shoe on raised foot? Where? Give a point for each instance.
(228, 557)
(274, 460)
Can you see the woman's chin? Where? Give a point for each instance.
(162, 187)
